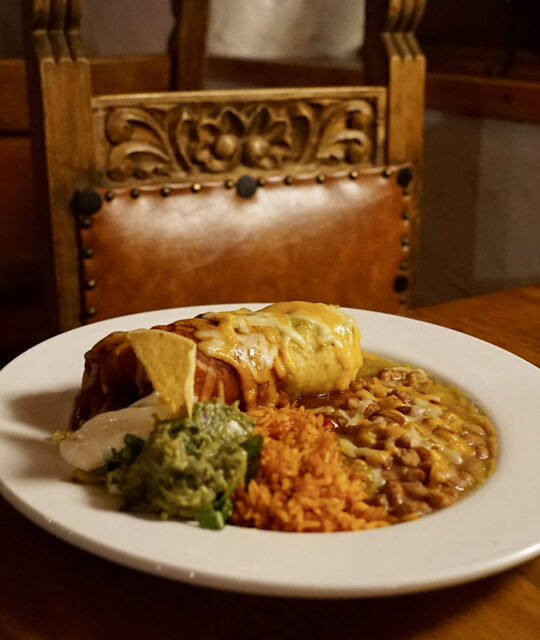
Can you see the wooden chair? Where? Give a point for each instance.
(192, 197)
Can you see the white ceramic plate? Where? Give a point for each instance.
(494, 528)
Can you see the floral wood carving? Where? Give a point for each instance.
(211, 139)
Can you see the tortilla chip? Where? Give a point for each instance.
(169, 362)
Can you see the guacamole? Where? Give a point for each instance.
(189, 467)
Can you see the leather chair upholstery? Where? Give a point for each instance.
(338, 239)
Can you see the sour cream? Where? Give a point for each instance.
(91, 446)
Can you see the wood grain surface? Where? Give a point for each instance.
(51, 590)
(510, 319)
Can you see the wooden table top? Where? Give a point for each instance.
(50, 590)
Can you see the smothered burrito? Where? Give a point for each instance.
(272, 419)
(260, 358)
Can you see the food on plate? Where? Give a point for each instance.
(188, 467)
(257, 357)
(303, 482)
(90, 446)
(423, 443)
(169, 361)
(292, 427)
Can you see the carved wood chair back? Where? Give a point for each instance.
(193, 197)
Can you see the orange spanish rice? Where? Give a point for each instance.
(302, 482)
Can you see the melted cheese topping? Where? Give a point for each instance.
(444, 451)
(310, 347)
(436, 418)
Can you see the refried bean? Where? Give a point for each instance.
(424, 443)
